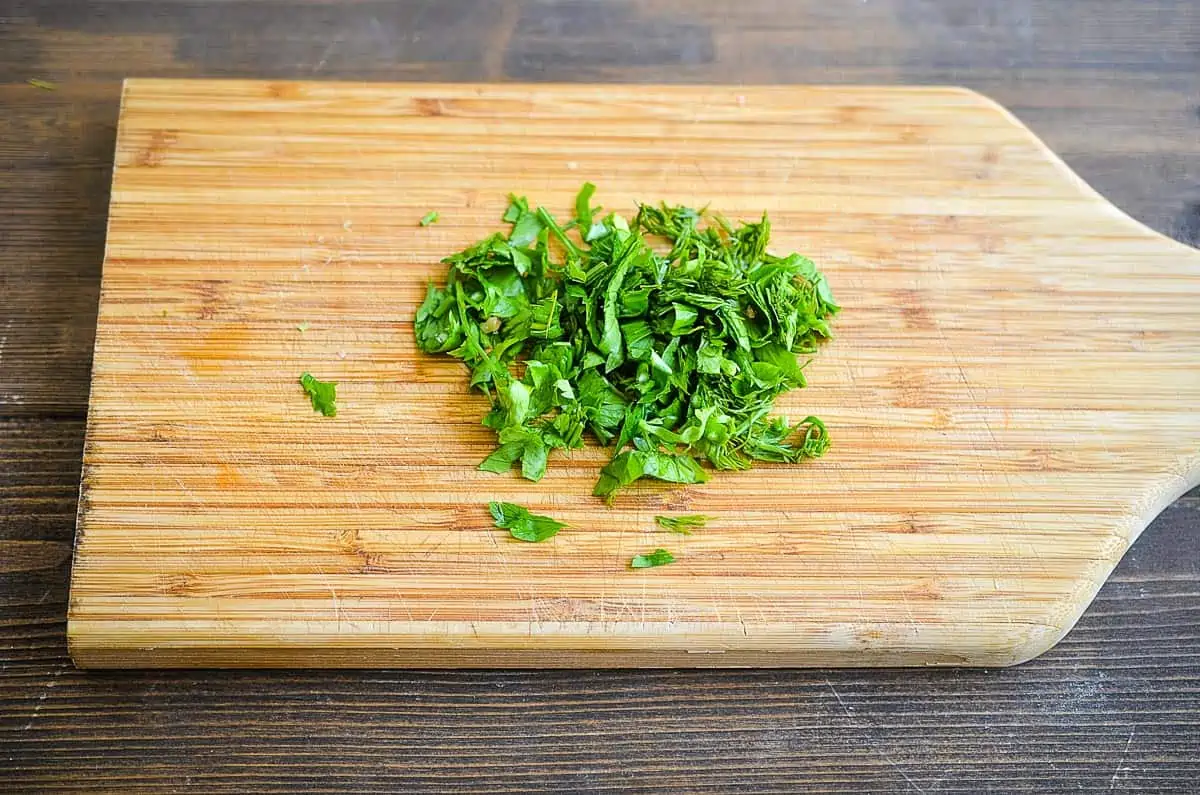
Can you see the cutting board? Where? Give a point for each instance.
(1012, 394)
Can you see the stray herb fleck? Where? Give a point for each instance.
(682, 524)
(659, 557)
(322, 393)
(522, 524)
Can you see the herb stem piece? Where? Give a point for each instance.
(682, 524)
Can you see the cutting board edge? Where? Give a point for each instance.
(1151, 504)
(81, 501)
(1085, 187)
(371, 659)
(233, 656)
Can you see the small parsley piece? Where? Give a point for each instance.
(429, 218)
(522, 524)
(45, 85)
(322, 393)
(659, 557)
(634, 464)
(583, 206)
(682, 524)
(302, 326)
(674, 358)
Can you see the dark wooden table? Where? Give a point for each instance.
(1113, 85)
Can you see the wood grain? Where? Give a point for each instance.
(989, 469)
(1109, 84)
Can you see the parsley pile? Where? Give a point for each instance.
(671, 355)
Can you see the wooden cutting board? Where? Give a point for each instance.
(1013, 392)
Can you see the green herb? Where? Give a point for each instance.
(659, 557)
(583, 205)
(682, 524)
(634, 464)
(302, 326)
(45, 85)
(322, 393)
(672, 359)
(430, 217)
(521, 523)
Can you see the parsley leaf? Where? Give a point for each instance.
(682, 524)
(521, 523)
(322, 393)
(634, 464)
(673, 359)
(583, 206)
(526, 225)
(429, 218)
(659, 557)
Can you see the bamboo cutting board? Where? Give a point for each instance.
(1012, 394)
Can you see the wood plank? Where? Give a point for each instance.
(1114, 706)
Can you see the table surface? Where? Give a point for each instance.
(1112, 85)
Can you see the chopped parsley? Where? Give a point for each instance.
(659, 557)
(682, 524)
(45, 85)
(671, 359)
(322, 393)
(522, 524)
(429, 218)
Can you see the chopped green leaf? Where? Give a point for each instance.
(302, 326)
(503, 458)
(45, 85)
(659, 557)
(506, 514)
(429, 218)
(583, 205)
(635, 464)
(682, 524)
(526, 225)
(322, 393)
(673, 359)
(521, 523)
